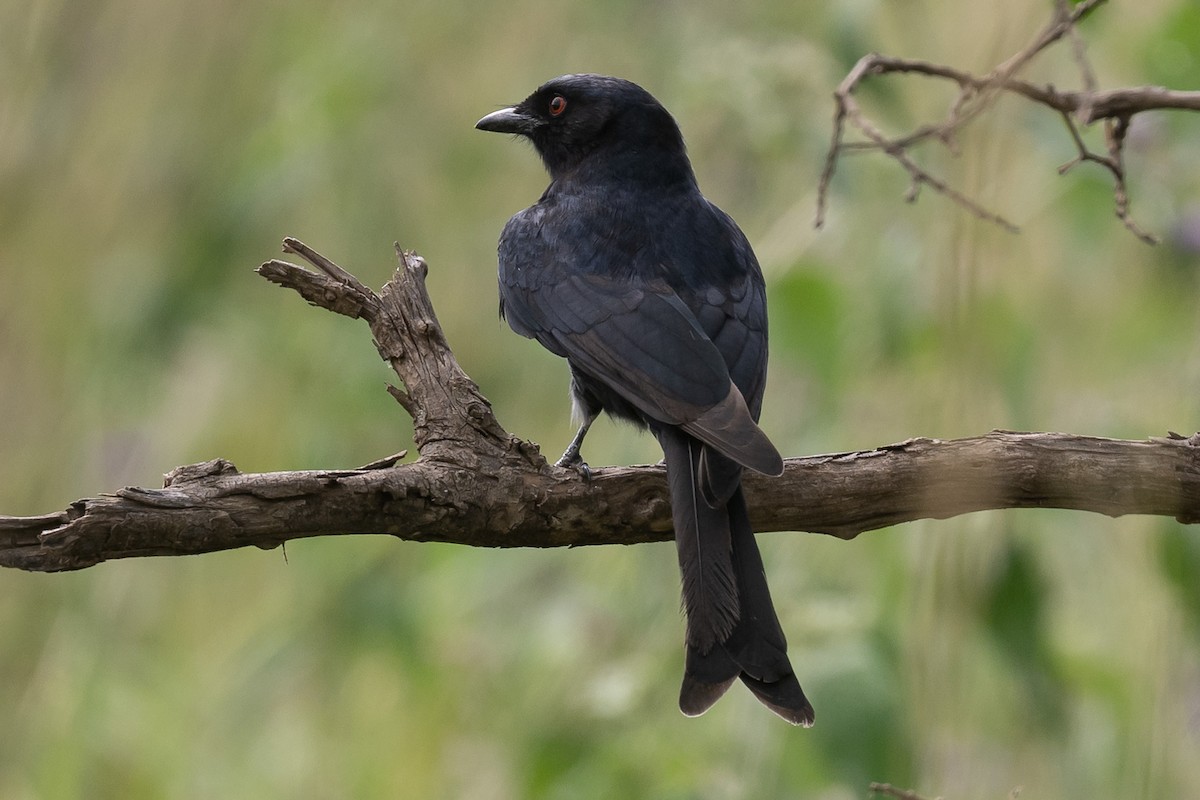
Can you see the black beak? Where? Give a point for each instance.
(507, 120)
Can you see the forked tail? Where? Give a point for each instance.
(732, 630)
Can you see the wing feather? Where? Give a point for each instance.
(637, 336)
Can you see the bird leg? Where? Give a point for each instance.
(571, 459)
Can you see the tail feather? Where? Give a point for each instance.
(703, 544)
(758, 644)
(706, 676)
(784, 697)
(732, 629)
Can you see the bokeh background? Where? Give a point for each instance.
(152, 154)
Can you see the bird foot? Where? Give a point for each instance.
(572, 460)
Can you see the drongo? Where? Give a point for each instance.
(656, 300)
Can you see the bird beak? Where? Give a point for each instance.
(507, 120)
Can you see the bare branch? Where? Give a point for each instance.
(977, 93)
(449, 412)
(476, 484)
(211, 506)
(1079, 50)
(848, 110)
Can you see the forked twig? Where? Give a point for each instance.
(978, 93)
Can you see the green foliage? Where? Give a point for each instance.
(152, 154)
(1014, 612)
(1179, 559)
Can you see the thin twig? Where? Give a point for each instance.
(977, 93)
(1114, 135)
(848, 109)
(1079, 49)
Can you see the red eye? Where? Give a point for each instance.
(558, 104)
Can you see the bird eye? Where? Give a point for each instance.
(558, 104)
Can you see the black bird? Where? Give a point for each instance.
(657, 302)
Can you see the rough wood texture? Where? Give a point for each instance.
(476, 484)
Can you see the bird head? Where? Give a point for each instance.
(573, 117)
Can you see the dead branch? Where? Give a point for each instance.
(978, 93)
(476, 484)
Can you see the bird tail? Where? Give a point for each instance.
(732, 630)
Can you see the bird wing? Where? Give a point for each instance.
(731, 303)
(728, 297)
(641, 340)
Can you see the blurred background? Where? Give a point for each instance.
(152, 154)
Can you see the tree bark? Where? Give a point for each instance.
(476, 484)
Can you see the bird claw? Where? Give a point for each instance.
(572, 460)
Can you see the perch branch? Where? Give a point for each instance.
(978, 93)
(476, 484)
(211, 506)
